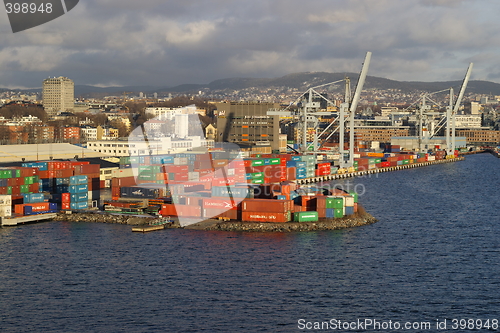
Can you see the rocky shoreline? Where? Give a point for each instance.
(358, 219)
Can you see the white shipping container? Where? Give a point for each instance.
(5, 211)
(180, 160)
(6, 200)
(230, 172)
(128, 172)
(431, 158)
(349, 202)
(193, 176)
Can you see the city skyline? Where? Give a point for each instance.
(120, 43)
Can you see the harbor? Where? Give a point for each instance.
(266, 192)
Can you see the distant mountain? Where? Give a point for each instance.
(301, 81)
(304, 81)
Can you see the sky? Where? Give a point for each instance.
(167, 42)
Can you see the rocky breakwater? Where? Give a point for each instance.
(105, 218)
(356, 220)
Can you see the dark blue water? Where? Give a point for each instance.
(434, 255)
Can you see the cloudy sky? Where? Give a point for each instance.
(167, 42)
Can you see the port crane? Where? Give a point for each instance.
(309, 114)
(448, 119)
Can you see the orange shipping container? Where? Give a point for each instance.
(265, 217)
(267, 205)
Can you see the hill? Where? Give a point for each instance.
(301, 81)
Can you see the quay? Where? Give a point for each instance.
(374, 171)
(14, 221)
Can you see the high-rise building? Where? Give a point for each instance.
(58, 95)
(248, 122)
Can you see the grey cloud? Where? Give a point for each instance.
(161, 42)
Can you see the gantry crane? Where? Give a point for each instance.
(309, 114)
(449, 118)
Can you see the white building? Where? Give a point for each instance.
(58, 95)
(138, 147)
(181, 125)
(468, 121)
(88, 133)
(164, 113)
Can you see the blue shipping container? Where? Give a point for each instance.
(33, 197)
(330, 212)
(79, 205)
(62, 181)
(61, 188)
(79, 197)
(349, 210)
(77, 189)
(78, 180)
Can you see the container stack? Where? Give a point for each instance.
(266, 210)
(5, 205)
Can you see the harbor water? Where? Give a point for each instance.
(433, 256)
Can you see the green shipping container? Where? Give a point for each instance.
(5, 174)
(28, 180)
(355, 163)
(275, 161)
(25, 188)
(406, 162)
(337, 202)
(338, 212)
(147, 176)
(257, 175)
(9, 190)
(258, 181)
(125, 160)
(257, 162)
(305, 217)
(18, 173)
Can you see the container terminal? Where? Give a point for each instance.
(198, 186)
(223, 184)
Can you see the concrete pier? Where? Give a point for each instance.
(373, 171)
(14, 221)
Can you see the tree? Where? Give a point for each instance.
(100, 119)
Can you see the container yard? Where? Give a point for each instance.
(194, 186)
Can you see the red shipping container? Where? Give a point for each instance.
(65, 197)
(115, 191)
(171, 168)
(72, 163)
(265, 217)
(168, 210)
(237, 164)
(19, 209)
(16, 190)
(223, 181)
(63, 173)
(220, 204)
(65, 205)
(267, 205)
(188, 211)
